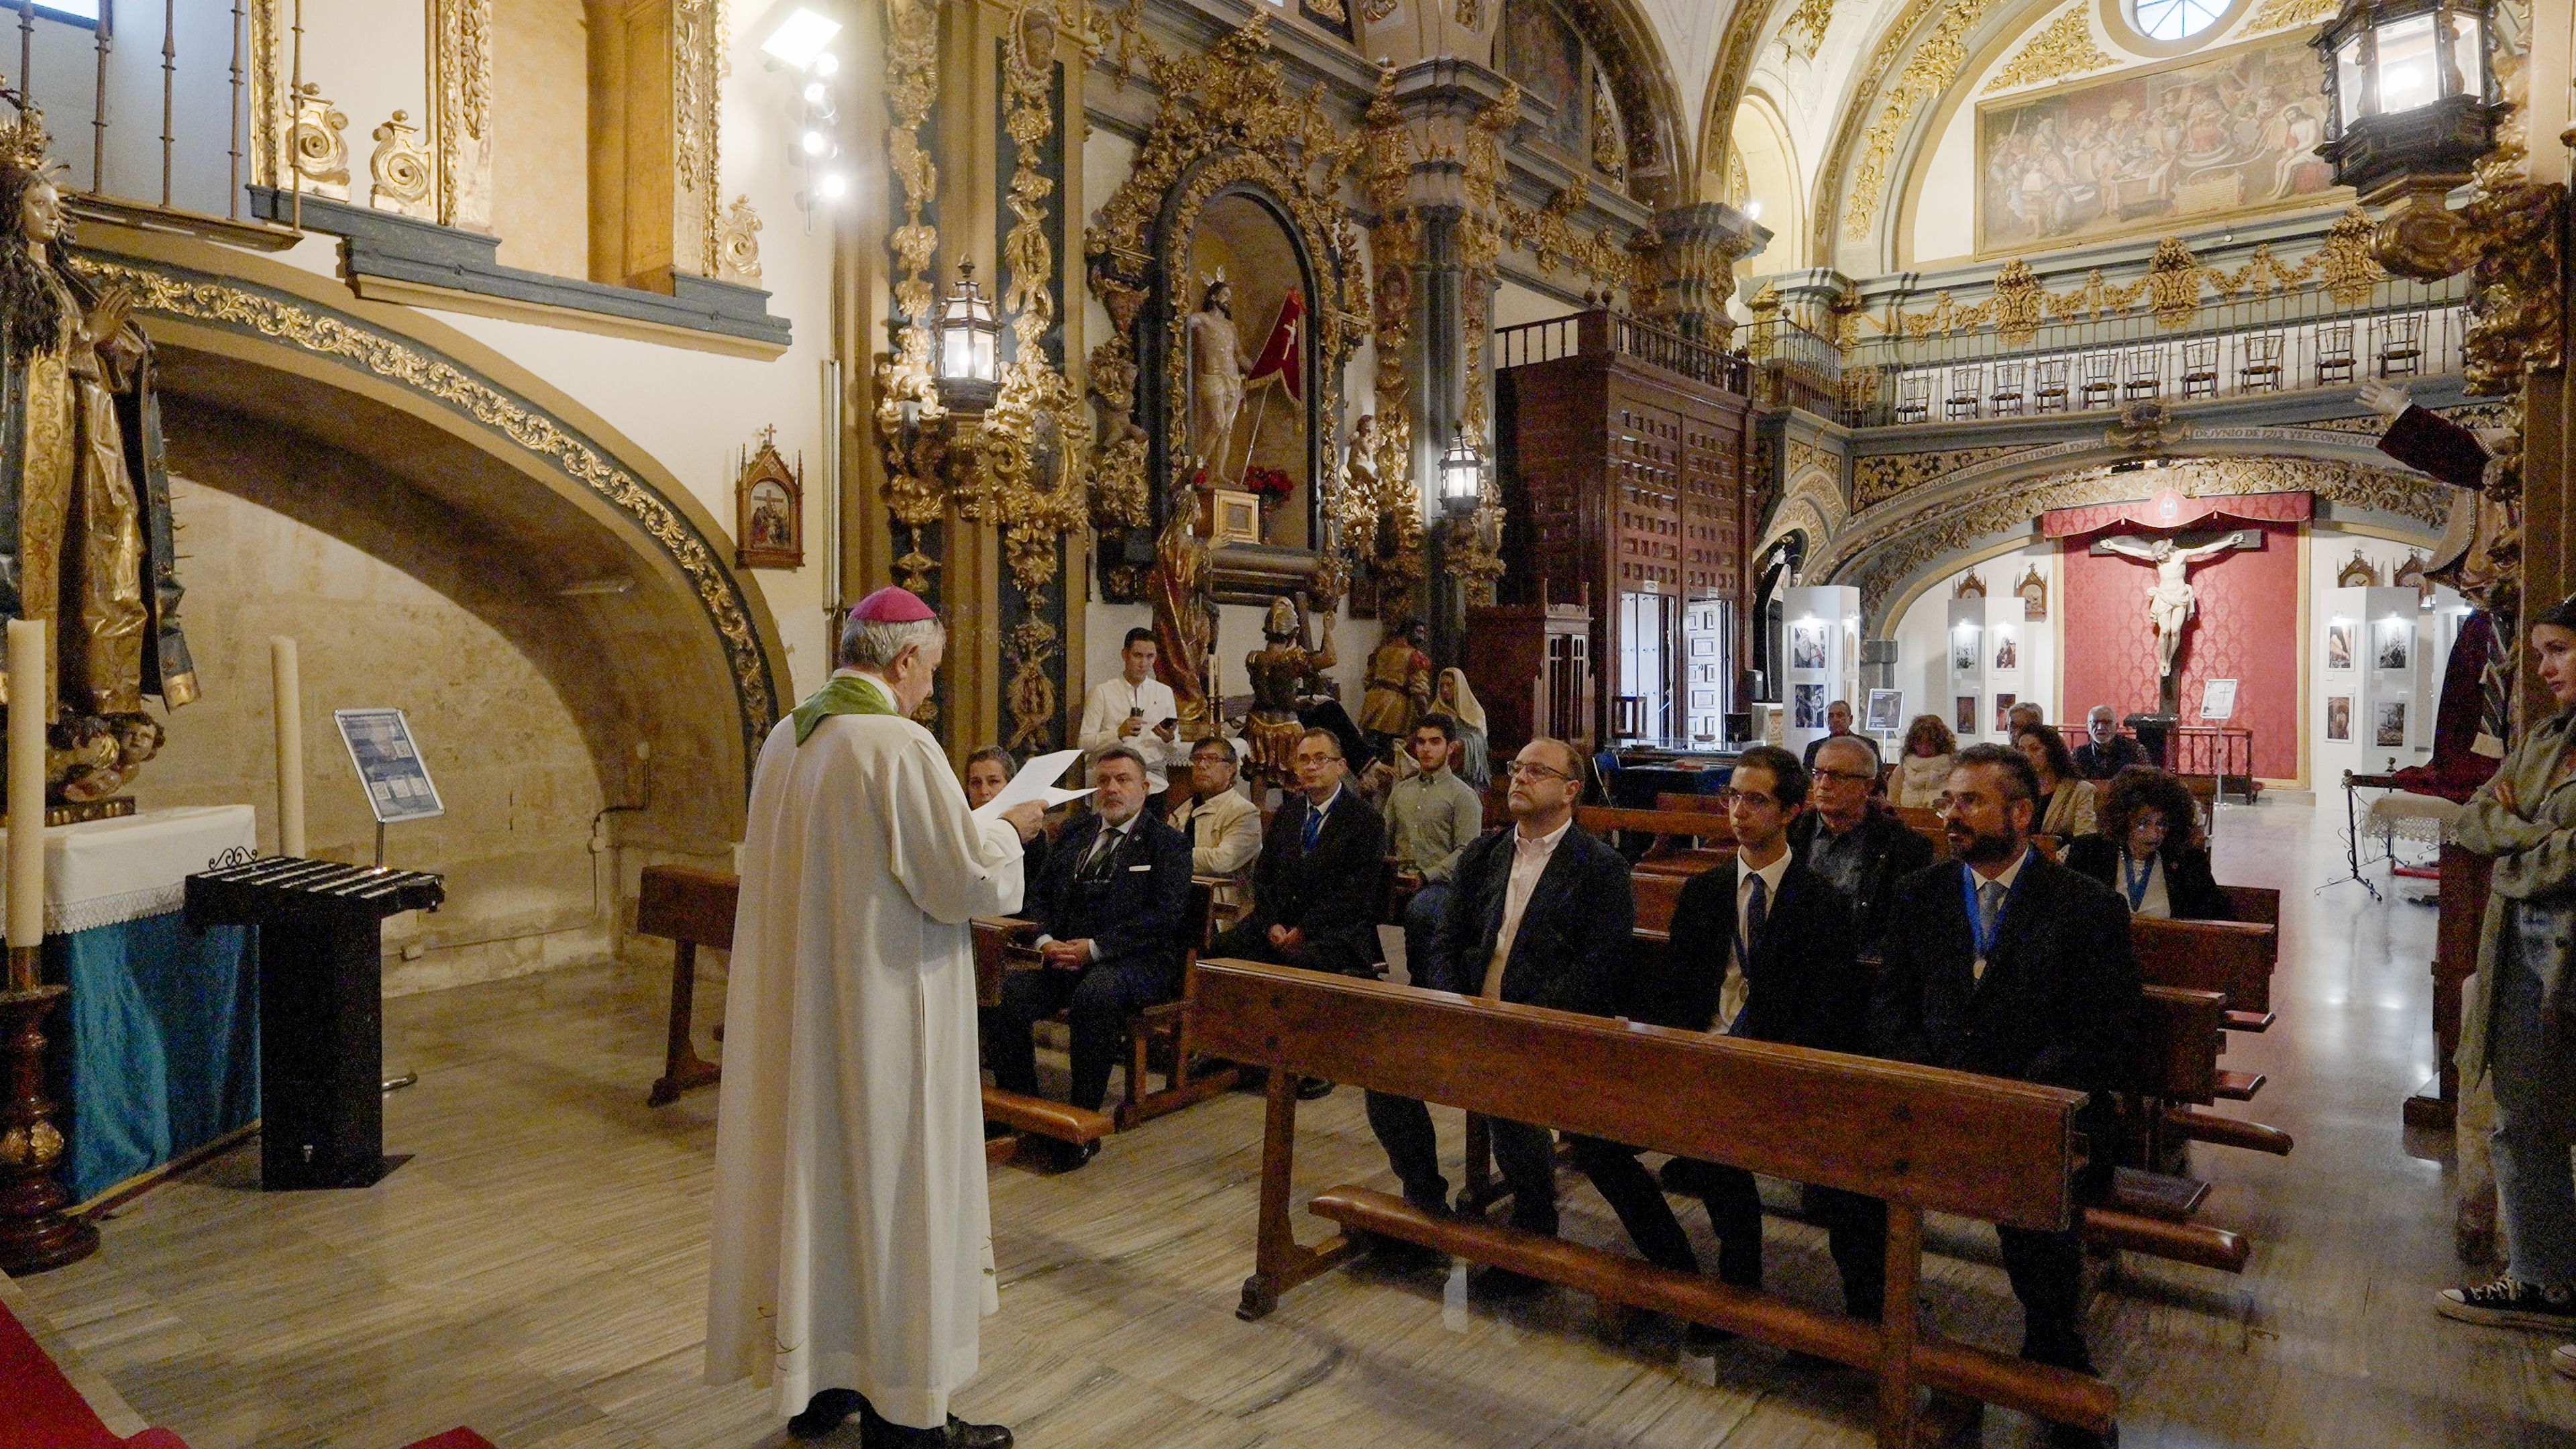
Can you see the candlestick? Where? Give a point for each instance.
(30, 704)
(290, 744)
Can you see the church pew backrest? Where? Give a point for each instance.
(1603, 820)
(683, 903)
(2231, 957)
(1657, 893)
(1678, 800)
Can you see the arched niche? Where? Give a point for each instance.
(1243, 237)
(1770, 178)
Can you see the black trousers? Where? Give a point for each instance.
(1350, 953)
(2046, 1269)
(1527, 1157)
(1100, 998)
(1855, 1233)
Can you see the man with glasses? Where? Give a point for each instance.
(1315, 888)
(1539, 916)
(1838, 720)
(2005, 963)
(1763, 948)
(1861, 850)
(1431, 817)
(1224, 828)
(2105, 751)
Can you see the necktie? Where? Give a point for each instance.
(1093, 863)
(1990, 904)
(1314, 826)
(1756, 910)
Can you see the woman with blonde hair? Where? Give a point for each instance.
(1923, 770)
(1457, 701)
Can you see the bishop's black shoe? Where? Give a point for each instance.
(825, 1411)
(955, 1434)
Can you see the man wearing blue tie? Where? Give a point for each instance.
(2003, 962)
(1315, 888)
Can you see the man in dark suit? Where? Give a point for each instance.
(1763, 948)
(1315, 890)
(1862, 850)
(1111, 908)
(1540, 916)
(1838, 726)
(2105, 751)
(2006, 963)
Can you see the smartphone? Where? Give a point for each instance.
(1169, 720)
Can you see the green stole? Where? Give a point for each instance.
(841, 694)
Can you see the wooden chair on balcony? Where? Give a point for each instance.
(2200, 368)
(2261, 370)
(2008, 397)
(2401, 345)
(1914, 397)
(2050, 397)
(2334, 353)
(2145, 373)
(1967, 392)
(2098, 388)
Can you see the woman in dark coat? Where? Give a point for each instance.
(2149, 850)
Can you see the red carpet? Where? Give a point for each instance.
(46, 1412)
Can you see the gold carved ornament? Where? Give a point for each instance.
(1735, 56)
(194, 297)
(2065, 48)
(905, 381)
(399, 170)
(2282, 14)
(1847, 131)
(1391, 540)
(1929, 72)
(738, 240)
(1805, 28)
(460, 115)
(1547, 232)
(320, 152)
(1225, 117)
(697, 85)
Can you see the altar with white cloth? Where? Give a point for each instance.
(157, 1049)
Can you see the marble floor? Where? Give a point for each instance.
(537, 1269)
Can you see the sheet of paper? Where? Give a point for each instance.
(1035, 781)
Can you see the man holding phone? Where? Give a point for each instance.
(1135, 709)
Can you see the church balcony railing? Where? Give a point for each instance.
(151, 109)
(1600, 333)
(2287, 341)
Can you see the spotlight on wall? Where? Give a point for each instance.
(1753, 210)
(832, 185)
(799, 39)
(815, 144)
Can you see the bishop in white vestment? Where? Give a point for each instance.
(853, 1252)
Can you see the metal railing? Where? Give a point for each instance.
(1600, 333)
(2288, 341)
(149, 105)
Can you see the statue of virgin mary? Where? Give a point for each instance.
(85, 534)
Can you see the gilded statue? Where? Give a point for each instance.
(88, 544)
(1398, 690)
(1281, 670)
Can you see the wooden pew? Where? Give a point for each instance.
(2233, 957)
(1919, 1139)
(690, 908)
(1716, 837)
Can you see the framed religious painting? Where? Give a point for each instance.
(2003, 713)
(2390, 728)
(1806, 646)
(1810, 703)
(1964, 719)
(2007, 651)
(2339, 644)
(2338, 717)
(769, 507)
(2395, 635)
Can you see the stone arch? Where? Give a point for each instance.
(483, 483)
(1768, 152)
(1626, 43)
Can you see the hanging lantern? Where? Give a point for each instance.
(2410, 108)
(1462, 476)
(970, 338)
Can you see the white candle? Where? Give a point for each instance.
(28, 708)
(290, 745)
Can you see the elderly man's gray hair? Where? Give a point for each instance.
(1128, 753)
(866, 644)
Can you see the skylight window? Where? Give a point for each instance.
(2176, 19)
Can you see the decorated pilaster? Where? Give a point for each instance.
(1692, 266)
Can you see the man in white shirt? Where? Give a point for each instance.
(1137, 710)
(1224, 828)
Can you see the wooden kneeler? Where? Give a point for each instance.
(1919, 1138)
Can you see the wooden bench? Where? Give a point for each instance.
(690, 908)
(2234, 958)
(1714, 836)
(1917, 1138)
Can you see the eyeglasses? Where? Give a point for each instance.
(1749, 797)
(1848, 777)
(1519, 771)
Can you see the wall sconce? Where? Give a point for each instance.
(1462, 476)
(970, 339)
(2410, 109)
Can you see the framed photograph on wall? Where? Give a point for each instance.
(769, 507)
(1886, 711)
(1806, 646)
(2007, 652)
(1810, 704)
(1963, 651)
(1966, 721)
(2003, 713)
(2391, 730)
(2394, 636)
(2339, 645)
(2338, 717)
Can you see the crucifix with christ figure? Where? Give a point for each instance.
(2171, 600)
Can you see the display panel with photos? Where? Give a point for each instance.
(2395, 637)
(1886, 710)
(2338, 717)
(1806, 646)
(1965, 722)
(2339, 645)
(1809, 704)
(2391, 729)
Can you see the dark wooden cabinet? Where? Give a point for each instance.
(1531, 667)
(1624, 456)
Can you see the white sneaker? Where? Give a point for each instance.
(2563, 1359)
